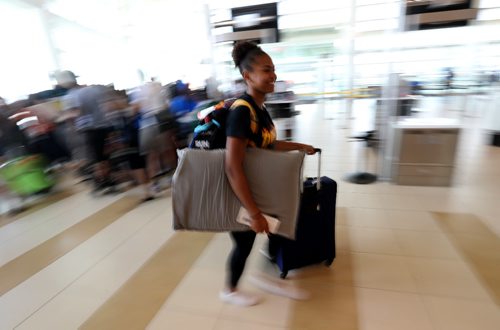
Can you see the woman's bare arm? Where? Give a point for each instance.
(288, 146)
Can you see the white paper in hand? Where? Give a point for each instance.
(272, 222)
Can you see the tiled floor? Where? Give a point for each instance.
(407, 257)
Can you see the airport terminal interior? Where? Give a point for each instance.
(402, 97)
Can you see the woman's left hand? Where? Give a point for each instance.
(288, 145)
(308, 149)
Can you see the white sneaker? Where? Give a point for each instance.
(279, 287)
(238, 298)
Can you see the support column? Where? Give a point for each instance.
(388, 107)
(45, 17)
(350, 55)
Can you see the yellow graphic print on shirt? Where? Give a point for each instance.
(268, 138)
(268, 135)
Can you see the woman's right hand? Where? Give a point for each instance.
(259, 224)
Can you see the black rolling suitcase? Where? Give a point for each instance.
(315, 236)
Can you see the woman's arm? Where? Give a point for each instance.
(288, 146)
(235, 154)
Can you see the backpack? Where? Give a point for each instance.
(211, 130)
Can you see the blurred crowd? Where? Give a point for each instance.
(109, 138)
(116, 138)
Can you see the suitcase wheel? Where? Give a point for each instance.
(283, 274)
(328, 262)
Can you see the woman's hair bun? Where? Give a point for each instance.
(241, 50)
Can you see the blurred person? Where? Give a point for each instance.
(39, 127)
(239, 87)
(12, 139)
(126, 141)
(212, 89)
(4, 108)
(182, 102)
(88, 105)
(493, 77)
(15, 106)
(158, 147)
(257, 70)
(181, 107)
(12, 145)
(137, 162)
(448, 78)
(60, 88)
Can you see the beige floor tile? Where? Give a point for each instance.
(174, 319)
(23, 235)
(39, 204)
(399, 202)
(341, 165)
(389, 310)
(74, 286)
(23, 223)
(394, 189)
(477, 247)
(223, 324)
(464, 223)
(331, 306)
(140, 298)
(341, 216)
(412, 220)
(480, 253)
(342, 238)
(448, 203)
(430, 191)
(340, 272)
(425, 244)
(487, 207)
(199, 292)
(364, 217)
(447, 278)
(42, 256)
(381, 272)
(492, 222)
(359, 200)
(372, 240)
(344, 186)
(459, 314)
(215, 255)
(343, 199)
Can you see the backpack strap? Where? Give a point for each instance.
(254, 122)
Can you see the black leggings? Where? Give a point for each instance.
(242, 246)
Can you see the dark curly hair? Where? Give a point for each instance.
(244, 54)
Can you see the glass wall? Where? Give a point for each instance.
(25, 56)
(125, 41)
(118, 42)
(325, 46)
(331, 46)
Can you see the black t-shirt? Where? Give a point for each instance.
(238, 124)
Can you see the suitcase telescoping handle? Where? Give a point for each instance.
(318, 179)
